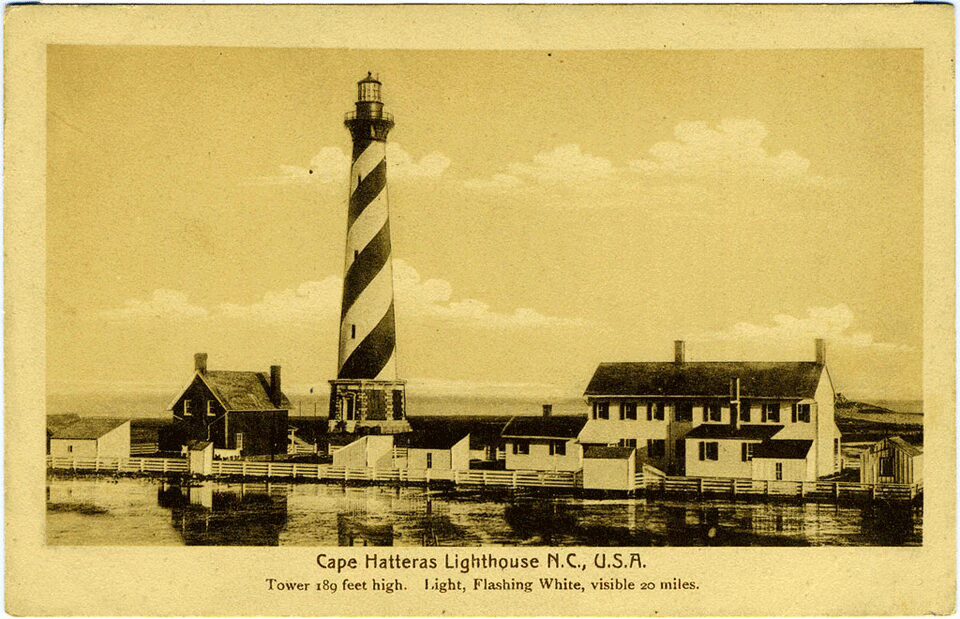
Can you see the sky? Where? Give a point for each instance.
(549, 210)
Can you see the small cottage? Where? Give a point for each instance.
(546, 443)
(609, 468)
(241, 413)
(92, 437)
(892, 461)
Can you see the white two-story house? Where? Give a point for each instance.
(715, 418)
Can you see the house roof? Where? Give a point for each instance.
(787, 449)
(429, 440)
(198, 445)
(907, 448)
(484, 430)
(602, 452)
(89, 428)
(243, 391)
(56, 422)
(560, 426)
(707, 378)
(720, 431)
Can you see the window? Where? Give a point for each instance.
(238, 441)
(801, 412)
(356, 254)
(745, 411)
(353, 332)
(521, 448)
(836, 453)
(683, 411)
(628, 442)
(628, 410)
(711, 411)
(654, 411)
(746, 451)
(779, 471)
(656, 448)
(558, 448)
(429, 461)
(210, 411)
(69, 449)
(886, 466)
(601, 410)
(186, 408)
(771, 411)
(709, 450)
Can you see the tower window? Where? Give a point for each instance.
(353, 332)
(356, 253)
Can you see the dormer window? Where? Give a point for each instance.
(802, 413)
(771, 412)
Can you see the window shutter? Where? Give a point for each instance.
(703, 450)
(743, 452)
(706, 414)
(793, 412)
(516, 448)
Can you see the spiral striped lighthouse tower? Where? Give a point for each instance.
(367, 393)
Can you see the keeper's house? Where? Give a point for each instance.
(241, 413)
(712, 418)
(544, 443)
(892, 461)
(92, 437)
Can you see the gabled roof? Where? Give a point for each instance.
(907, 448)
(746, 432)
(194, 445)
(559, 426)
(89, 428)
(789, 380)
(787, 449)
(602, 452)
(239, 391)
(429, 440)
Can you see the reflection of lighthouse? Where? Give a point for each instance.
(366, 392)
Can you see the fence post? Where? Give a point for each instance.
(514, 479)
(836, 491)
(243, 468)
(733, 485)
(700, 487)
(164, 465)
(269, 469)
(873, 492)
(766, 487)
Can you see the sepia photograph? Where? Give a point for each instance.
(490, 298)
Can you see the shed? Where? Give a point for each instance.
(200, 457)
(609, 468)
(425, 450)
(92, 437)
(784, 460)
(892, 461)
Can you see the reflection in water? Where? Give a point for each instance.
(84, 511)
(239, 515)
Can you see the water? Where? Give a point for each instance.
(125, 511)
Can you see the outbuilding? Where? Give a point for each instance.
(784, 460)
(892, 461)
(92, 437)
(544, 443)
(609, 468)
(200, 457)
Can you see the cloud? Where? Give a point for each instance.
(732, 150)
(331, 166)
(162, 304)
(308, 302)
(433, 298)
(564, 165)
(831, 323)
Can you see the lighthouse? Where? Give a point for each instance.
(367, 394)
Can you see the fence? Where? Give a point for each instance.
(517, 479)
(139, 449)
(730, 487)
(120, 465)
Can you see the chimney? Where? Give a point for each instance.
(678, 351)
(275, 385)
(821, 348)
(547, 410)
(735, 402)
(200, 362)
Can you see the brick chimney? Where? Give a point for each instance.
(821, 350)
(275, 393)
(679, 347)
(547, 410)
(200, 362)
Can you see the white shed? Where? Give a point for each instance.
(609, 468)
(92, 437)
(200, 457)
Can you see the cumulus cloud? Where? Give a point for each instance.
(831, 323)
(331, 166)
(162, 304)
(732, 149)
(564, 165)
(308, 302)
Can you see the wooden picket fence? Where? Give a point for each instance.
(120, 465)
(517, 479)
(733, 488)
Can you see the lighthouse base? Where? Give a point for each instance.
(368, 406)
